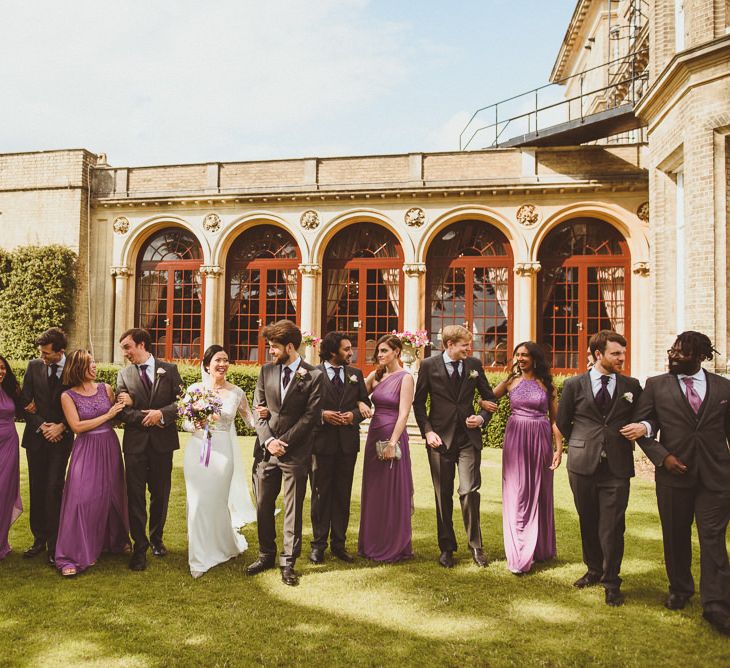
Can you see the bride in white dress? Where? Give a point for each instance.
(218, 502)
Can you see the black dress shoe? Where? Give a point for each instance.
(614, 597)
(719, 620)
(34, 549)
(138, 562)
(159, 550)
(588, 580)
(259, 566)
(480, 559)
(343, 555)
(446, 559)
(317, 555)
(676, 601)
(289, 576)
(52, 560)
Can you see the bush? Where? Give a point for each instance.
(37, 286)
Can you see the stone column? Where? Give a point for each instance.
(524, 304)
(308, 305)
(121, 295)
(211, 333)
(413, 304)
(640, 335)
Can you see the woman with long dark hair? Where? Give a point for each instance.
(528, 459)
(10, 503)
(387, 482)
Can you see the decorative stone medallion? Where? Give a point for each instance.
(212, 222)
(527, 215)
(120, 225)
(642, 212)
(415, 217)
(309, 220)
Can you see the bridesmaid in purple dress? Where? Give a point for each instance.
(387, 484)
(10, 504)
(528, 460)
(94, 507)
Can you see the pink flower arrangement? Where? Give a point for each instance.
(417, 339)
(309, 339)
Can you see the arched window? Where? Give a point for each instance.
(469, 283)
(363, 290)
(584, 288)
(170, 294)
(263, 286)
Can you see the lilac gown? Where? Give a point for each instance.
(94, 507)
(10, 504)
(527, 481)
(387, 491)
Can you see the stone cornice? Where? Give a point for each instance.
(571, 34)
(675, 81)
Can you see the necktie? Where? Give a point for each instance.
(337, 379)
(144, 377)
(603, 398)
(455, 377)
(692, 396)
(287, 376)
(53, 377)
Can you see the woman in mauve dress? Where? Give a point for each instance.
(94, 507)
(387, 484)
(10, 504)
(528, 460)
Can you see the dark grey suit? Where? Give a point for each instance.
(334, 453)
(600, 465)
(148, 450)
(700, 441)
(291, 420)
(46, 461)
(450, 406)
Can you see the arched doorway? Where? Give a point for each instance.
(584, 287)
(263, 285)
(170, 294)
(363, 290)
(469, 283)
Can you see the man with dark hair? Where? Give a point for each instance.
(149, 389)
(47, 440)
(690, 407)
(594, 414)
(290, 389)
(336, 442)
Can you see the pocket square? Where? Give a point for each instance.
(723, 401)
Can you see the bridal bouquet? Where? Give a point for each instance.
(203, 408)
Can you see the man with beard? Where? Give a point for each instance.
(290, 389)
(594, 415)
(336, 444)
(691, 409)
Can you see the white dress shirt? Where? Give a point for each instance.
(59, 371)
(596, 381)
(699, 386)
(150, 370)
(293, 366)
(450, 368)
(331, 372)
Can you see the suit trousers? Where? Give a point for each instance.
(678, 506)
(601, 500)
(153, 470)
(331, 481)
(46, 476)
(443, 464)
(268, 477)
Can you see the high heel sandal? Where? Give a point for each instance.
(68, 571)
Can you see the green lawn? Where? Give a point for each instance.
(414, 613)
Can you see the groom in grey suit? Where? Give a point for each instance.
(290, 389)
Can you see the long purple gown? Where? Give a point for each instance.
(10, 504)
(527, 481)
(387, 490)
(94, 507)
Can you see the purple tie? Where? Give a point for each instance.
(692, 396)
(336, 379)
(287, 376)
(144, 377)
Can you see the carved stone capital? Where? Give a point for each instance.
(120, 272)
(120, 225)
(415, 217)
(210, 270)
(527, 268)
(415, 269)
(527, 215)
(309, 220)
(212, 222)
(642, 213)
(309, 269)
(641, 268)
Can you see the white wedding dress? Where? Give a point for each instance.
(218, 501)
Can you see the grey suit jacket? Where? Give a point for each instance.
(292, 419)
(450, 407)
(329, 439)
(588, 432)
(48, 404)
(165, 390)
(698, 441)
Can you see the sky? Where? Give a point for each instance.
(178, 81)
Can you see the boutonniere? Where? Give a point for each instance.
(160, 372)
(352, 379)
(301, 375)
(629, 396)
(473, 373)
